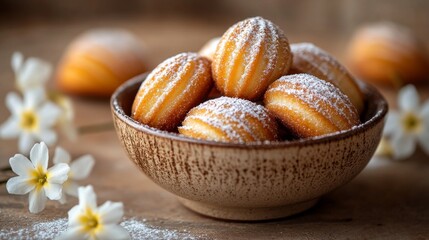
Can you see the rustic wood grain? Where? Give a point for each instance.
(388, 200)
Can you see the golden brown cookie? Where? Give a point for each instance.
(100, 60)
(308, 58)
(171, 90)
(228, 119)
(388, 54)
(250, 55)
(209, 49)
(309, 106)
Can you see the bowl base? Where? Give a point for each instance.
(247, 214)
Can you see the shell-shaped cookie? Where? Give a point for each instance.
(171, 90)
(309, 106)
(209, 49)
(250, 55)
(100, 60)
(228, 119)
(308, 58)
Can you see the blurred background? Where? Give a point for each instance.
(44, 28)
(186, 25)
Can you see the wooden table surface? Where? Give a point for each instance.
(388, 200)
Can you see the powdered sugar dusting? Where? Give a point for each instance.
(173, 69)
(309, 52)
(272, 49)
(264, 37)
(184, 61)
(258, 41)
(228, 114)
(52, 229)
(316, 93)
(240, 34)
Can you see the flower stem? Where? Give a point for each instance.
(94, 128)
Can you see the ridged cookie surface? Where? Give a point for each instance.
(250, 55)
(309, 106)
(308, 58)
(228, 119)
(171, 90)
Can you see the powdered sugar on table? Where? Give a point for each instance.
(138, 229)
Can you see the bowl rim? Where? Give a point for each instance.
(367, 89)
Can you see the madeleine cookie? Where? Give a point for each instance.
(209, 49)
(171, 90)
(389, 54)
(250, 55)
(228, 119)
(100, 60)
(308, 58)
(309, 106)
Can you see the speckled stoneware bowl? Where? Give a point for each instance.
(248, 181)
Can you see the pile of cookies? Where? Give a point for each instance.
(249, 86)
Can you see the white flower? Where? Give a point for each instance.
(65, 122)
(409, 125)
(87, 221)
(34, 177)
(31, 119)
(30, 74)
(385, 148)
(79, 169)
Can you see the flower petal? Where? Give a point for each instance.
(25, 143)
(403, 146)
(408, 99)
(39, 155)
(21, 165)
(70, 187)
(424, 139)
(17, 60)
(392, 123)
(19, 185)
(48, 136)
(34, 73)
(61, 156)
(34, 97)
(113, 232)
(74, 216)
(49, 114)
(81, 167)
(63, 198)
(10, 128)
(58, 173)
(37, 199)
(111, 212)
(424, 112)
(14, 103)
(53, 191)
(74, 233)
(87, 197)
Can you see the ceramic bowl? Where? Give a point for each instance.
(248, 181)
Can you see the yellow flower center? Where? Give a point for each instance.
(90, 220)
(411, 123)
(57, 98)
(40, 177)
(64, 103)
(29, 120)
(384, 148)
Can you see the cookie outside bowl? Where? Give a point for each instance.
(256, 181)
